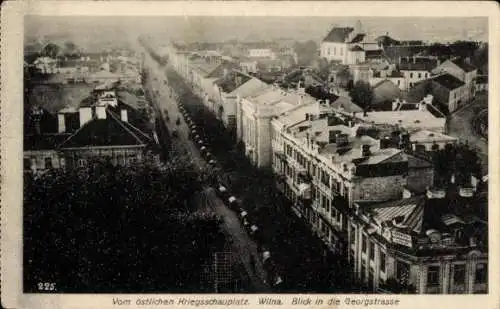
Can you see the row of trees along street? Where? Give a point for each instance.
(299, 254)
(118, 229)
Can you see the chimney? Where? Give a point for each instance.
(365, 150)
(85, 114)
(61, 124)
(124, 115)
(101, 112)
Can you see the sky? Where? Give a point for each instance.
(211, 28)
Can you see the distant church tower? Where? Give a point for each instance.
(358, 28)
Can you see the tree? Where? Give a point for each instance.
(70, 49)
(362, 94)
(51, 50)
(114, 229)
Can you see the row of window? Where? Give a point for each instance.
(426, 75)
(329, 51)
(48, 163)
(433, 271)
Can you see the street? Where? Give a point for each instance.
(242, 245)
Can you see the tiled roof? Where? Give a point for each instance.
(417, 64)
(338, 35)
(346, 104)
(356, 48)
(250, 88)
(371, 54)
(409, 209)
(448, 81)
(228, 83)
(105, 132)
(358, 38)
(385, 40)
(395, 52)
(460, 62)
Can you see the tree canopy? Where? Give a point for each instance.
(51, 50)
(111, 229)
(362, 94)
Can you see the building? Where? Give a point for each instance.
(434, 243)
(416, 69)
(261, 53)
(254, 117)
(323, 166)
(226, 103)
(449, 91)
(248, 65)
(346, 45)
(424, 140)
(101, 128)
(462, 70)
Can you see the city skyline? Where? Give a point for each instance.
(212, 28)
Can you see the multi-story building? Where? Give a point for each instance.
(434, 243)
(462, 70)
(232, 89)
(254, 116)
(449, 91)
(101, 128)
(415, 69)
(324, 166)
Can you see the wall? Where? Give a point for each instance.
(413, 77)
(334, 51)
(38, 157)
(378, 188)
(264, 151)
(117, 156)
(419, 179)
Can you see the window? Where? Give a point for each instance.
(341, 51)
(433, 276)
(426, 75)
(328, 53)
(481, 273)
(459, 274)
(363, 243)
(372, 251)
(48, 162)
(82, 163)
(419, 75)
(382, 261)
(402, 272)
(411, 76)
(399, 82)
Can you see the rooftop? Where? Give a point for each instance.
(417, 64)
(410, 118)
(461, 63)
(250, 88)
(338, 35)
(448, 81)
(106, 132)
(422, 136)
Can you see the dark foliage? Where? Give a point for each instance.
(362, 94)
(117, 230)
